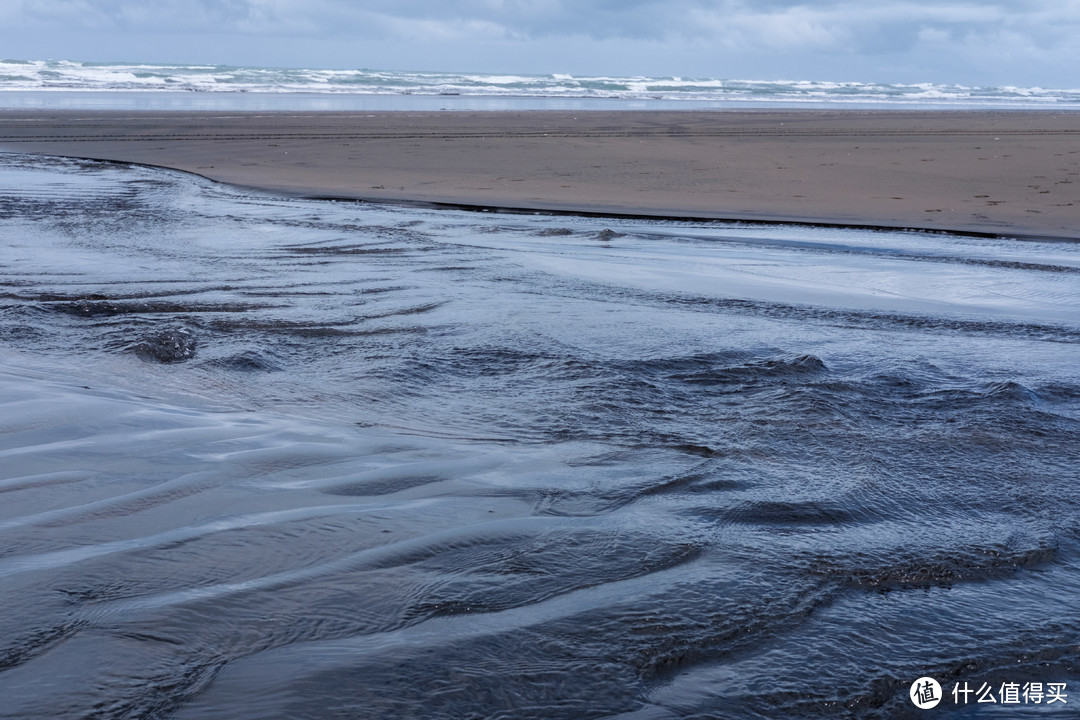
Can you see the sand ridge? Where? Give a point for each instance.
(1009, 173)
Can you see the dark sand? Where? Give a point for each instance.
(993, 172)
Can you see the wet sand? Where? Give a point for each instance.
(289, 460)
(1007, 173)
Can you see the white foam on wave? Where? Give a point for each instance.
(66, 75)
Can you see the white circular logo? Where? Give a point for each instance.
(926, 693)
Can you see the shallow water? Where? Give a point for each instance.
(274, 458)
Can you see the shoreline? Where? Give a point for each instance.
(980, 173)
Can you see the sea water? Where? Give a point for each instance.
(52, 84)
(281, 458)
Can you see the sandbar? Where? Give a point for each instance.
(1009, 173)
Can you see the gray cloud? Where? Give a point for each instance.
(1041, 36)
(640, 19)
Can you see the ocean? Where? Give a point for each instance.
(264, 457)
(61, 83)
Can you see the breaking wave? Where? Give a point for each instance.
(64, 75)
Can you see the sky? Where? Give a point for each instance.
(1004, 42)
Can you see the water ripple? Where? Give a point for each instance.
(268, 457)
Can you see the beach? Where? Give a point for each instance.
(268, 456)
(1009, 173)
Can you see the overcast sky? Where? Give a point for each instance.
(1004, 42)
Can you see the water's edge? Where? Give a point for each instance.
(270, 457)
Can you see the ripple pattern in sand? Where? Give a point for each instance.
(273, 458)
